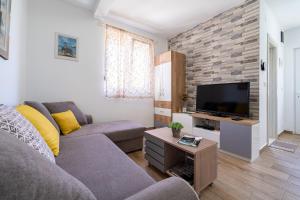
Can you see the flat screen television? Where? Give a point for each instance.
(224, 99)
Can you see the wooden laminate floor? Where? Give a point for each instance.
(274, 175)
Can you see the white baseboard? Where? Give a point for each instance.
(236, 156)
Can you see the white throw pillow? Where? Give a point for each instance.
(12, 122)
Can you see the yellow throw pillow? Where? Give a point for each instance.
(66, 121)
(43, 125)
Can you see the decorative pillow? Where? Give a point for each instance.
(43, 125)
(25, 174)
(42, 109)
(58, 107)
(66, 121)
(14, 123)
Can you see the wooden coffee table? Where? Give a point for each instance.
(163, 152)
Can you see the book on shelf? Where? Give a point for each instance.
(190, 140)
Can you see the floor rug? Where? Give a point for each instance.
(286, 146)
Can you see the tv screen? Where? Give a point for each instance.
(225, 99)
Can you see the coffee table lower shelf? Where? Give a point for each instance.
(172, 174)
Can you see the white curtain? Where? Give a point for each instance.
(129, 65)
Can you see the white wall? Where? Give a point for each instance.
(50, 79)
(269, 26)
(292, 41)
(12, 70)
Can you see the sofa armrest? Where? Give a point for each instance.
(89, 119)
(171, 189)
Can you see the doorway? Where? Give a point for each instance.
(297, 91)
(272, 91)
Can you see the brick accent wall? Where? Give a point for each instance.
(224, 49)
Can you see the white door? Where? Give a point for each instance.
(272, 93)
(297, 89)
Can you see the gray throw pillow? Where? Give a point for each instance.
(58, 107)
(12, 122)
(42, 109)
(26, 175)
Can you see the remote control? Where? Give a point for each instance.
(197, 141)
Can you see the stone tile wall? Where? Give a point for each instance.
(224, 49)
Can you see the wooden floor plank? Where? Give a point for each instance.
(274, 175)
(256, 183)
(289, 196)
(286, 169)
(294, 180)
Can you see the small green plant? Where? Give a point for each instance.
(176, 126)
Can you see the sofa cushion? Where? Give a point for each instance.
(25, 174)
(58, 107)
(102, 167)
(66, 121)
(43, 125)
(12, 122)
(116, 131)
(123, 130)
(42, 109)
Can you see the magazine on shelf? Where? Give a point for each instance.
(190, 140)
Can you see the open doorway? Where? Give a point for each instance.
(272, 91)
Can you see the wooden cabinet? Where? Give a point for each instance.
(169, 86)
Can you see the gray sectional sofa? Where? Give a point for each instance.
(94, 157)
(127, 135)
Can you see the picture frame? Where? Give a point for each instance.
(5, 11)
(66, 47)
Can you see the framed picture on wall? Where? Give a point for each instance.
(66, 47)
(5, 8)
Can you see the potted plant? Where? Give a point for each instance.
(176, 128)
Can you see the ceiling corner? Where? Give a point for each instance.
(103, 7)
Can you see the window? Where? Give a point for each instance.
(128, 65)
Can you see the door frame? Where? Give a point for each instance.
(295, 90)
(273, 123)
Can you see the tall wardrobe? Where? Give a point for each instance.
(169, 86)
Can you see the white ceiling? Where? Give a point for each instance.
(168, 17)
(163, 17)
(287, 12)
(88, 4)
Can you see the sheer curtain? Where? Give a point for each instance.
(128, 65)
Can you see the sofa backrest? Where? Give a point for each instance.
(57, 107)
(42, 109)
